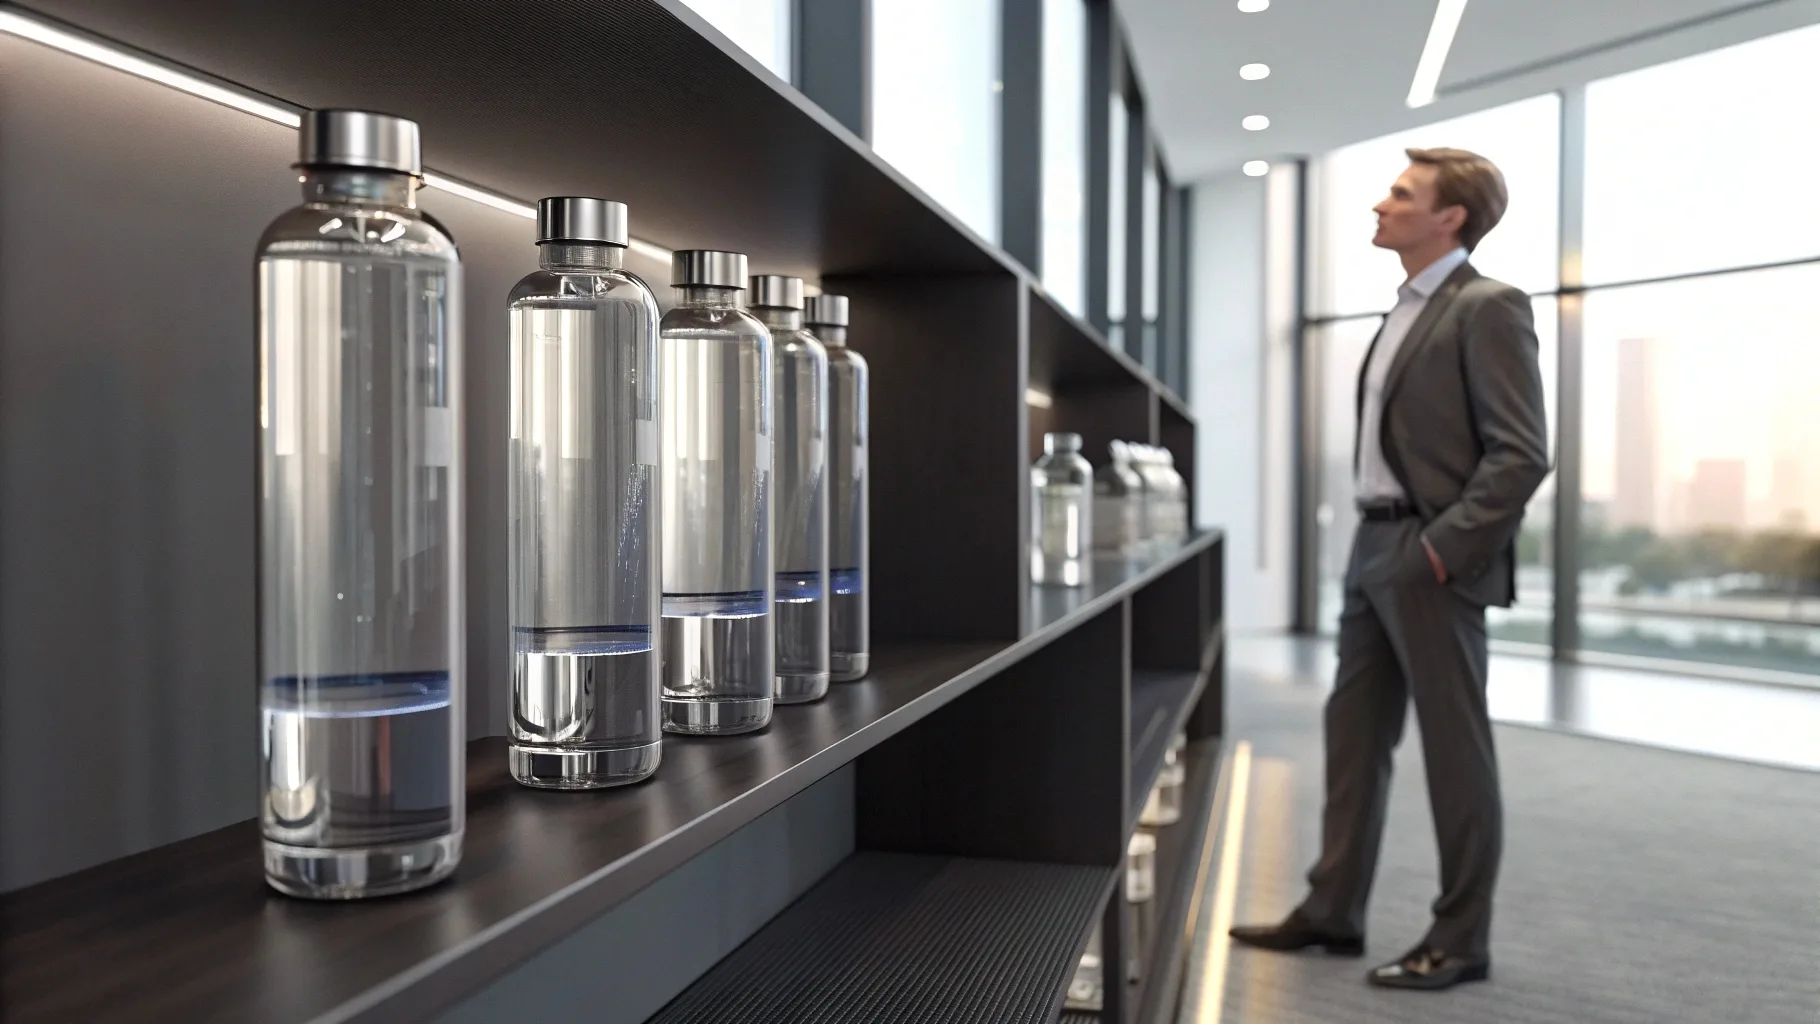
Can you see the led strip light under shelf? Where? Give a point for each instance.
(17, 23)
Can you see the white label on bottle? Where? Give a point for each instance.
(438, 435)
(644, 442)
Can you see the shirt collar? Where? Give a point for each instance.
(1428, 281)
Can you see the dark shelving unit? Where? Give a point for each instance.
(966, 806)
(905, 938)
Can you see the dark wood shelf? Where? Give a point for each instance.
(635, 100)
(903, 937)
(108, 942)
(1113, 579)
(1161, 935)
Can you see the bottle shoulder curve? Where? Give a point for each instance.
(800, 344)
(726, 322)
(842, 357)
(338, 229)
(556, 288)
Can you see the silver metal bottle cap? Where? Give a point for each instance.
(359, 138)
(772, 291)
(825, 310)
(579, 219)
(1061, 442)
(708, 267)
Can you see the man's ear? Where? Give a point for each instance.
(1454, 218)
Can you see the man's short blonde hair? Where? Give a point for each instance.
(1468, 180)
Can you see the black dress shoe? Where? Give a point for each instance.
(1430, 970)
(1296, 933)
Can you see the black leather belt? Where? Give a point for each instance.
(1386, 511)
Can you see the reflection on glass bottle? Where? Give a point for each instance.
(849, 551)
(1061, 505)
(800, 482)
(583, 501)
(1118, 506)
(1164, 504)
(360, 546)
(716, 640)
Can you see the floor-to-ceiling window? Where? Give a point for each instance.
(935, 67)
(1696, 315)
(1700, 496)
(1117, 207)
(1065, 152)
(1151, 247)
(760, 27)
(1352, 284)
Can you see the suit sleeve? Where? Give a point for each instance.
(1504, 390)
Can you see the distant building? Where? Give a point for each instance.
(1635, 500)
(1716, 496)
(1786, 491)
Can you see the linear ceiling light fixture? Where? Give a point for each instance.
(1434, 53)
(17, 24)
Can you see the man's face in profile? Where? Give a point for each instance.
(1407, 217)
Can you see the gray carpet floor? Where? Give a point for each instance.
(1638, 885)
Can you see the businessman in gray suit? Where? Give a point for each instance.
(1452, 441)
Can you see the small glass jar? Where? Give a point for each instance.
(1140, 868)
(1164, 805)
(1061, 508)
(1087, 989)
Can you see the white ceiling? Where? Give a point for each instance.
(1340, 69)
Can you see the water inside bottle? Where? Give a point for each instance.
(358, 760)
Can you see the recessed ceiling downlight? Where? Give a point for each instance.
(1253, 72)
(1255, 123)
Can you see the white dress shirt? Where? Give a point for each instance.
(1375, 480)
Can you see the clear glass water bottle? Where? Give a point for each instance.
(1118, 506)
(361, 631)
(1157, 497)
(849, 553)
(716, 640)
(799, 475)
(583, 502)
(1178, 495)
(1061, 529)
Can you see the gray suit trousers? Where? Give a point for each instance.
(1403, 635)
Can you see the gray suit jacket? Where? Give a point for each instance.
(1465, 427)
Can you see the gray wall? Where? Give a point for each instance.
(1241, 329)
(128, 217)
